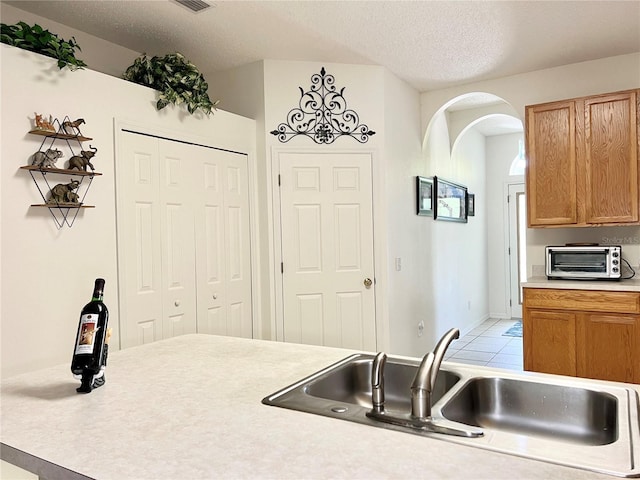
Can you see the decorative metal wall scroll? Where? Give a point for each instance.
(322, 115)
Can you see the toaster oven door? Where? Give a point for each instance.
(577, 263)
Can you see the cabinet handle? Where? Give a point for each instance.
(177, 303)
(215, 297)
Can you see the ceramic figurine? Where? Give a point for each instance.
(46, 159)
(64, 193)
(44, 124)
(82, 161)
(73, 128)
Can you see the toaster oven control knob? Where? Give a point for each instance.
(615, 269)
(615, 262)
(614, 254)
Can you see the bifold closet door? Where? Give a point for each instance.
(223, 249)
(156, 246)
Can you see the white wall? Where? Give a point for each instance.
(48, 273)
(407, 296)
(575, 80)
(98, 54)
(391, 108)
(458, 251)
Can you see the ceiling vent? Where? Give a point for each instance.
(194, 5)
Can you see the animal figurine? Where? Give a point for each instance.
(64, 193)
(46, 159)
(73, 127)
(82, 161)
(44, 124)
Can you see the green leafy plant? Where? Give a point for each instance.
(177, 79)
(36, 39)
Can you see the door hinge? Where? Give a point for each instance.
(508, 250)
(508, 198)
(281, 267)
(510, 303)
(279, 180)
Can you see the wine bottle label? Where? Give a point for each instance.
(88, 331)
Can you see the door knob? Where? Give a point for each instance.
(367, 282)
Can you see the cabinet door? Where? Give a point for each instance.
(611, 158)
(551, 165)
(609, 347)
(549, 342)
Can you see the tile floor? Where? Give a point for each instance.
(485, 345)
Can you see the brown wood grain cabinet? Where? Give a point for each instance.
(582, 161)
(591, 334)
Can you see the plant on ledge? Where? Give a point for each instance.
(176, 79)
(38, 40)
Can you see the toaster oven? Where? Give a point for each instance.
(583, 262)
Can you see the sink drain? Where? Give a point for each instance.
(339, 409)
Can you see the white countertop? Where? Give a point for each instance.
(190, 408)
(632, 285)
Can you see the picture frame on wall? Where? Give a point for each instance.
(424, 196)
(471, 204)
(450, 202)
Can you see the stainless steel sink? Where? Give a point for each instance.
(575, 422)
(573, 414)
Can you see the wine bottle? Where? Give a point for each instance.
(89, 356)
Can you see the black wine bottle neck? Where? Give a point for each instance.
(98, 290)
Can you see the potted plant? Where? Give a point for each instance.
(38, 40)
(175, 78)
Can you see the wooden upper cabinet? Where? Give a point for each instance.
(551, 166)
(611, 158)
(582, 161)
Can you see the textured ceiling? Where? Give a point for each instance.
(430, 44)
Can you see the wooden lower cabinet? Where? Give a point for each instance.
(561, 336)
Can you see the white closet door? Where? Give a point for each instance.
(139, 251)
(223, 249)
(177, 239)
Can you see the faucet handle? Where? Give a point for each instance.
(377, 381)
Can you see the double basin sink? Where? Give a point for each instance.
(574, 422)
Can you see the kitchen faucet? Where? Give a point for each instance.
(421, 390)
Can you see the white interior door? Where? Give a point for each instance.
(517, 245)
(326, 220)
(223, 245)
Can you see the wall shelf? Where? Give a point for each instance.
(61, 135)
(63, 212)
(64, 171)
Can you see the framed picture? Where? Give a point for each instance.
(450, 201)
(424, 194)
(471, 204)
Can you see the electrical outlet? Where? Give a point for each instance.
(420, 328)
